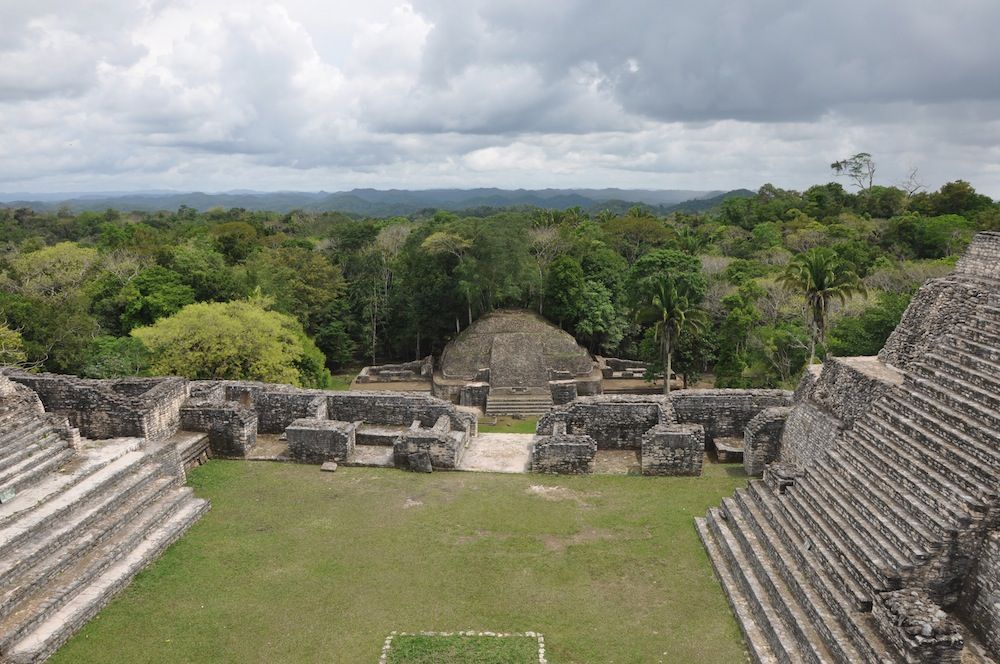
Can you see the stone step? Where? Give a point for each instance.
(20, 586)
(977, 370)
(984, 439)
(70, 526)
(924, 462)
(46, 636)
(800, 538)
(776, 633)
(23, 525)
(976, 342)
(12, 456)
(936, 452)
(893, 519)
(988, 327)
(960, 386)
(855, 522)
(15, 415)
(33, 456)
(970, 408)
(36, 467)
(24, 432)
(753, 633)
(62, 587)
(762, 545)
(865, 562)
(897, 481)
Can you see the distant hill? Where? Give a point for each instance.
(379, 203)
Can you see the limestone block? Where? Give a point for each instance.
(318, 441)
(673, 449)
(563, 453)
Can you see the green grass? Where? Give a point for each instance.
(508, 425)
(343, 381)
(419, 649)
(297, 566)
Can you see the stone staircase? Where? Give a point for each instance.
(531, 402)
(899, 501)
(82, 522)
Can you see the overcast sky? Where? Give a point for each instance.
(302, 94)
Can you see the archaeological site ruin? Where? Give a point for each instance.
(873, 534)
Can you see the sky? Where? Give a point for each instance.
(213, 95)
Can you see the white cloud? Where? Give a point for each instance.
(211, 94)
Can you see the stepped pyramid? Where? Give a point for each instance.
(875, 534)
(79, 518)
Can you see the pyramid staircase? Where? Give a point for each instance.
(530, 402)
(899, 501)
(81, 522)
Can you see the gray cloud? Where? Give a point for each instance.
(295, 94)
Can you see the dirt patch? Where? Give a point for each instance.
(556, 543)
(559, 493)
(480, 535)
(410, 502)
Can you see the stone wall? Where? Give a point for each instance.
(231, 426)
(140, 407)
(563, 453)
(762, 438)
(418, 370)
(917, 628)
(673, 449)
(563, 391)
(828, 400)
(318, 441)
(395, 408)
(980, 602)
(724, 413)
(442, 446)
(614, 422)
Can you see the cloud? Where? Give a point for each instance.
(211, 94)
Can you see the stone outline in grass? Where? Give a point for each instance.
(387, 646)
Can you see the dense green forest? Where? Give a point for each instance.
(747, 291)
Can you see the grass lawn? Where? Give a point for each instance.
(418, 649)
(508, 425)
(298, 566)
(343, 381)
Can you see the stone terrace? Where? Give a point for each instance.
(850, 554)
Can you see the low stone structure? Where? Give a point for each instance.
(406, 372)
(624, 422)
(673, 449)
(231, 426)
(563, 453)
(318, 441)
(141, 407)
(762, 438)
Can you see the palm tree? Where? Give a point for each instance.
(672, 314)
(820, 275)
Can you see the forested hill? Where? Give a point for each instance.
(377, 203)
(750, 291)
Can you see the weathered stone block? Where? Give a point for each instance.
(317, 441)
(762, 438)
(231, 426)
(563, 453)
(673, 449)
(917, 627)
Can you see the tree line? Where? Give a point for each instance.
(746, 294)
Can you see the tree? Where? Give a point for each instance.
(672, 313)
(565, 291)
(819, 275)
(234, 341)
(444, 242)
(12, 353)
(859, 169)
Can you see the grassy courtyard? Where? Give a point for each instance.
(298, 566)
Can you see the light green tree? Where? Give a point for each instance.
(236, 341)
(821, 277)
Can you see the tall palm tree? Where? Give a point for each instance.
(821, 276)
(672, 313)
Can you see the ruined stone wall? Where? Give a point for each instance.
(980, 602)
(389, 373)
(393, 408)
(441, 446)
(673, 449)
(563, 453)
(231, 426)
(724, 413)
(318, 441)
(141, 407)
(828, 404)
(614, 422)
(762, 438)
